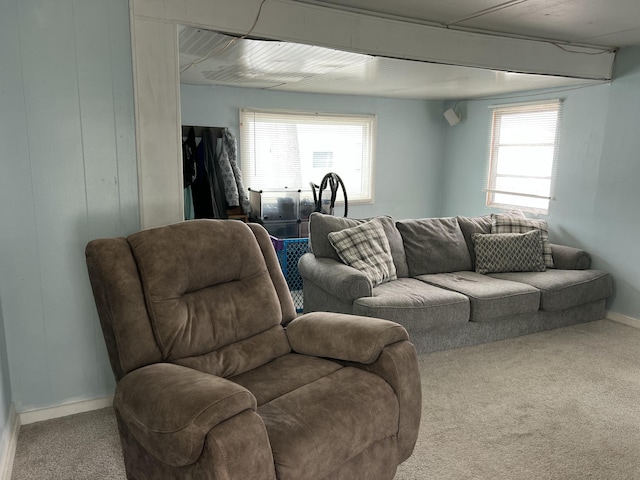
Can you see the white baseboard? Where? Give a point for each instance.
(618, 317)
(9, 442)
(64, 410)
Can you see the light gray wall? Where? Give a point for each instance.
(9, 87)
(67, 149)
(408, 149)
(598, 167)
(5, 382)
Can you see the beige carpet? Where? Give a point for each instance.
(558, 405)
(563, 404)
(85, 446)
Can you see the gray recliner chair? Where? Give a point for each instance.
(217, 379)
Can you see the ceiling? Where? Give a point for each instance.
(211, 58)
(611, 23)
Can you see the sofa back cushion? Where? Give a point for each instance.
(434, 245)
(207, 286)
(481, 224)
(471, 225)
(320, 225)
(366, 248)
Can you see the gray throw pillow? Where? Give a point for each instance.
(434, 245)
(505, 223)
(366, 248)
(508, 252)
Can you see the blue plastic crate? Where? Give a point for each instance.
(289, 251)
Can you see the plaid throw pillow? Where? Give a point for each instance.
(366, 248)
(508, 252)
(506, 223)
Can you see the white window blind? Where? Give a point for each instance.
(524, 141)
(282, 149)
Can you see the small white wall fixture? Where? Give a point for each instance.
(452, 117)
(157, 83)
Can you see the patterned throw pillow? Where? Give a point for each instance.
(366, 248)
(506, 223)
(508, 252)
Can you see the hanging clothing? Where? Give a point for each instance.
(235, 193)
(204, 204)
(189, 172)
(189, 158)
(189, 212)
(213, 171)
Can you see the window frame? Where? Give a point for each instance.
(365, 195)
(499, 111)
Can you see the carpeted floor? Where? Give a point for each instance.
(85, 446)
(558, 405)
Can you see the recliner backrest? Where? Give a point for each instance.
(210, 298)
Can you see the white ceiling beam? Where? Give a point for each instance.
(288, 20)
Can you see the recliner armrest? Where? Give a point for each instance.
(343, 337)
(170, 408)
(570, 258)
(336, 278)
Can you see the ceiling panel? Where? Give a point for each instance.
(441, 12)
(210, 58)
(385, 77)
(613, 23)
(581, 21)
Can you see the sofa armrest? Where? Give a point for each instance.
(336, 278)
(570, 258)
(343, 337)
(170, 409)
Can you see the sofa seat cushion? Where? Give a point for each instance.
(283, 375)
(562, 289)
(489, 297)
(319, 426)
(414, 304)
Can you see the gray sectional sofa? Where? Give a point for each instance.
(432, 286)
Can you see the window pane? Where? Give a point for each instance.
(523, 151)
(527, 161)
(277, 156)
(541, 187)
(292, 149)
(322, 160)
(521, 202)
(345, 144)
(537, 127)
